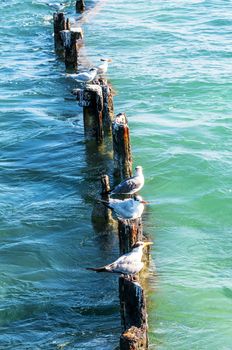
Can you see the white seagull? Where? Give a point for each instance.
(84, 77)
(132, 184)
(57, 6)
(128, 264)
(127, 209)
(102, 68)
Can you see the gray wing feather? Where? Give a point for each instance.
(125, 264)
(127, 185)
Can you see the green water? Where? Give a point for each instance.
(171, 71)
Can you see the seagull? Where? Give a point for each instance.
(57, 6)
(127, 264)
(102, 68)
(127, 209)
(84, 77)
(132, 184)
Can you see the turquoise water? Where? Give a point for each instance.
(171, 71)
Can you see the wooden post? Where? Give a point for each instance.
(68, 24)
(71, 42)
(105, 182)
(129, 231)
(59, 24)
(80, 6)
(84, 98)
(134, 339)
(102, 219)
(133, 315)
(108, 105)
(90, 98)
(121, 147)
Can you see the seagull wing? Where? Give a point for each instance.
(83, 76)
(111, 203)
(125, 209)
(127, 186)
(126, 264)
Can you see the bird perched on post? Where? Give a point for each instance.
(127, 209)
(132, 184)
(57, 6)
(128, 264)
(102, 68)
(84, 77)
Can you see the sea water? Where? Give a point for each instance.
(171, 73)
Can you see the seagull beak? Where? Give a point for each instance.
(144, 202)
(145, 244)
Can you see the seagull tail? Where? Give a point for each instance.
(97, 269)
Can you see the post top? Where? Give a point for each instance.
(120, 119)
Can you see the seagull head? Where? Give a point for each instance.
(106, 59)
(138, 170)
(140, 245)
(139, 199)
(93, 70)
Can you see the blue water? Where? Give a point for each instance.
(171, 73)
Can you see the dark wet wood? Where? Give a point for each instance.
(80, 6)
(121, 147)
(92, 102)
(72, 40)
(105, 182)
(108, 105)
(133, 315)
(107, 214)
(129, 231)
(59, 23)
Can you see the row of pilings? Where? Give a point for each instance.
(101, 124)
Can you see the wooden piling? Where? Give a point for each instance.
(80, 6)
(105, 183)
(71, 41)
(129, 231)
(91, 99)
(59, 24)
(133, 315)
(108, 105)
(121, 147)
(102, 218)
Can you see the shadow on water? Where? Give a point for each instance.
(98, 161)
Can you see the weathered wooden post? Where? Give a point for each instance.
(71, 42)
(129, 232)
(108, 105)
(101, 215)
(91, 99)
(133, 315)
(105, 183)
(93, 112)
(59, 24)
(80, 6)
(121, 147)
